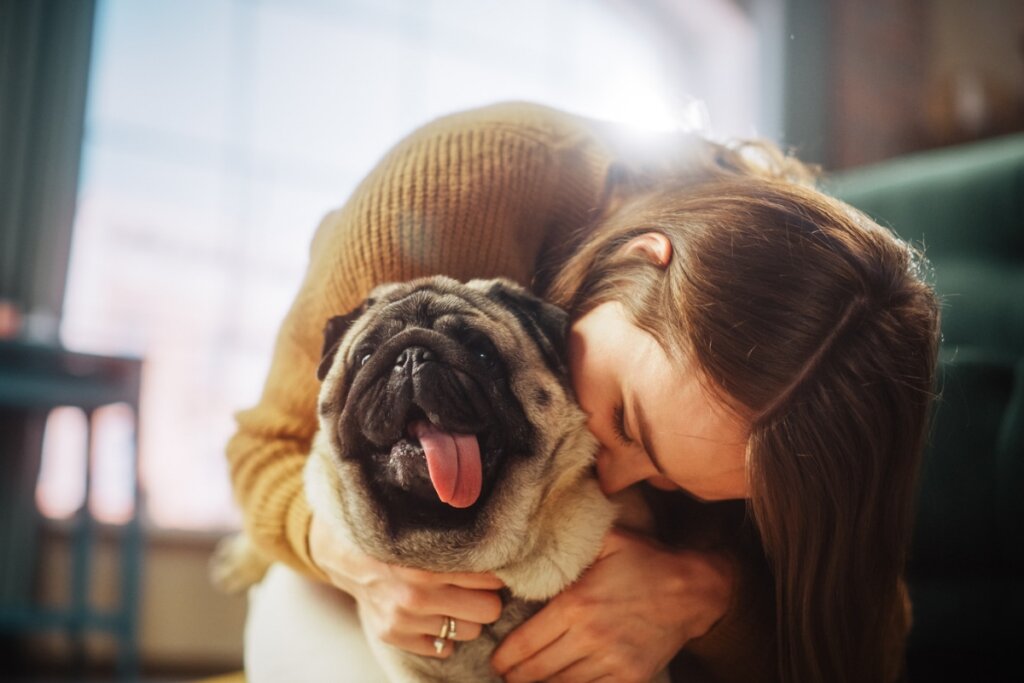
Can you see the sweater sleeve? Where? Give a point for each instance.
(477, 194)
(741, 647)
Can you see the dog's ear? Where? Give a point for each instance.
(545, 323)
(334, 330)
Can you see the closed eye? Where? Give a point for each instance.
(619, 425)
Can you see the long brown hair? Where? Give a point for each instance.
(817, 325)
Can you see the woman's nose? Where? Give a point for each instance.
(618, 469)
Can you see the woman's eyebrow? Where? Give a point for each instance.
(644, 428)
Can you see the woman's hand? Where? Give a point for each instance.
(624, 619)
(406, 607)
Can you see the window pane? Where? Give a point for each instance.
(219, 133)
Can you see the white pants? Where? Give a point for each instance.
(301, 631)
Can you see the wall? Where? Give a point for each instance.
(879, 61)
(975, 77)
(186, 626)
(914, 74)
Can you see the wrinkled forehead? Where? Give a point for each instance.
(423, 302)
(440, 303)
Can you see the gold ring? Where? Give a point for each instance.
(451, 629)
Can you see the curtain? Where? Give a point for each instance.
(45, 49)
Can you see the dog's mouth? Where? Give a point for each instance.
(438, 466)
(453, 463)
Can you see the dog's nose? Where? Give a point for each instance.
(413, 356)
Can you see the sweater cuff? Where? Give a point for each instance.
(741, 645)
(297, 523)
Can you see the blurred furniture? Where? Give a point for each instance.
(965, 205)
(236, 677)
(34, 379)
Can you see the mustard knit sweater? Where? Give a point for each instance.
(497, 191)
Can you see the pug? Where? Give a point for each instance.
(450, 440)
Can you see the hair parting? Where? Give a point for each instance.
(854, 309)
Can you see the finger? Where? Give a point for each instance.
(530, 638)
(614, 541)
(423, 645)
(432, 626)
(488, 582)
(581, 671)
(477, 606)
(557, 657)
(583, 677)
(459, 579)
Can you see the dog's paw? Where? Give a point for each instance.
(236, 565)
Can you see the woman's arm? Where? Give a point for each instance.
(707, 593)
(625, 618)
(741, 646)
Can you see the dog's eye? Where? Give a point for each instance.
(481, 347)
(364, 358)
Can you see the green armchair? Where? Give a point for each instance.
(965, 205)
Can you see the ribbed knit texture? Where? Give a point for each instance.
(486, 193)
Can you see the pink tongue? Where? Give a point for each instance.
(453, 461)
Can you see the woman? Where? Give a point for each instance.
(736, 336)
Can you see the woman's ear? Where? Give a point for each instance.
(653, 246)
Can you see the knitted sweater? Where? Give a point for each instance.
(499, 191)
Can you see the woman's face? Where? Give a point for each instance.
(653, 417)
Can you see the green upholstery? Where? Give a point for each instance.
(958, 503)
(1010, 487)
(966, 569)
(965, 205)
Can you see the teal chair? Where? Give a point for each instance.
(966, 567)
(34, 379)
(965, 206)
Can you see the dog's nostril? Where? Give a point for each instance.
(414, 355)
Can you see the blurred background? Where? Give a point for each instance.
(163, 164)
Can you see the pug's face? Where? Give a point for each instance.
(447, 408)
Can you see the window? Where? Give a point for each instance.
(219, 132)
